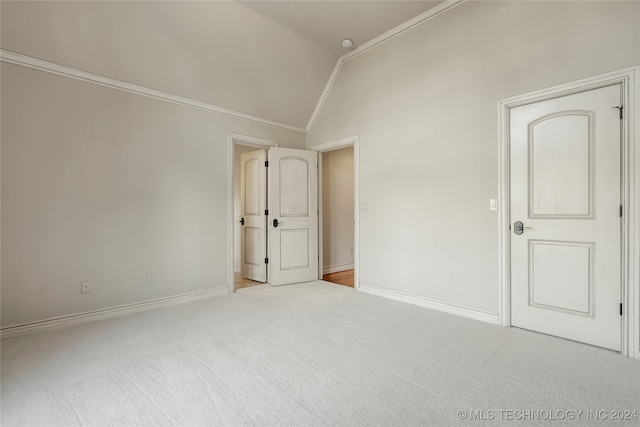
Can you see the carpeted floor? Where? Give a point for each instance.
(309, 354)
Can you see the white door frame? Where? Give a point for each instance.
(630, 196)
(234, 139)
(352, 141)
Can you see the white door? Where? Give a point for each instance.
(253, 203)
(293, 215)
(565, 218)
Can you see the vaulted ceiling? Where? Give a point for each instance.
(270, 59)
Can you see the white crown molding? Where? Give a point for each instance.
(423, 17)
(31, 327)
(433, 304)
(61, 70)
(325, 92)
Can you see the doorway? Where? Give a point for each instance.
(339, 211)
(245, 271)
(273, 237)
(337, 216)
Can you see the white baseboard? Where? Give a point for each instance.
(431, 303)
(31, 327)
(335, 268)
(237, 269)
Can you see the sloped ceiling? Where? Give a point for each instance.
(329, 22)
(269, 59)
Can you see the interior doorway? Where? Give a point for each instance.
(337, 216)
(273, 214)
(239, 147)
(339, 211)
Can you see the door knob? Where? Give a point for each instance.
(276, 223)
(241, 221)
(518, 227)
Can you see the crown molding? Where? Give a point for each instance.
(62, 70)
(423, 17)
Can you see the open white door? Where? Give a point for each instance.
(293, 215)
(253, 203)
(565, 212)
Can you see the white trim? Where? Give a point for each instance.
(232, 140)
(352, 141)
(630, 196)
(336, 268)
(61, 70)
(423, 17)
(31, 327)
(433, 304)
(325, 93)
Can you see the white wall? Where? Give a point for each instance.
(425, 107)
(104, 185)
(337, 209)
(218, 52)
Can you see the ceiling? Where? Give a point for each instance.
(270, 59)
(328, 22)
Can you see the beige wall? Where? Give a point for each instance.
(203, 50)
(425, 107)
(103, 185)
(337, 209)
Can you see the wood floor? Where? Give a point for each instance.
(344, 278)
(240, 282)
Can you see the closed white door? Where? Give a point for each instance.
(565, 217)
(293, 215)
(253, 203)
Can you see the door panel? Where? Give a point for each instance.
(253, 196)
(561, 276)
(565, 189)
(293, 202)
(561, 165)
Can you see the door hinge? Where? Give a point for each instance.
(620, 309)
(266, 164)
(266, 260)
(266, 212)
(619, 108)
(620, 211)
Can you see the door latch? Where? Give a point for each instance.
(518, 227)
(275, 222)
(241, 221)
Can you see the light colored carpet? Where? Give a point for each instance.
(309, 354)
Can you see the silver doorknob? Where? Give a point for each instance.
(518, 228)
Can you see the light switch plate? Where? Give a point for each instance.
(493, 204)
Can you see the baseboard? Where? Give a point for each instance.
(237, 269)
(335, 268)
(31, 327)
(431, 303)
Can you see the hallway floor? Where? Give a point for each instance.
(345, 278)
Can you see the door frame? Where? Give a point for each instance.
(630, 292)
(233, 140)
(352, 141)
